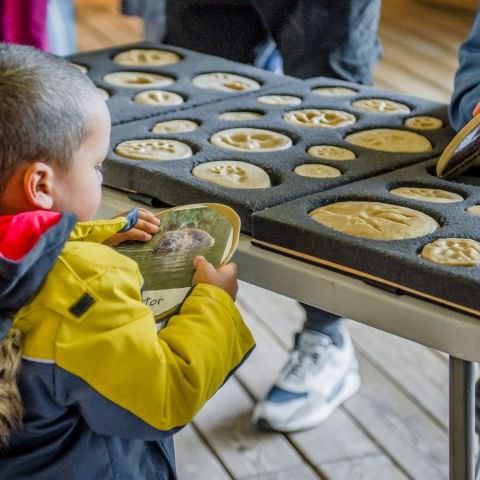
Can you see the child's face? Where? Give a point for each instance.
(79, 189)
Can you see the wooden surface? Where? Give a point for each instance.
(396, 426)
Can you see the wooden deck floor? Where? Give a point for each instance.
(396, 426)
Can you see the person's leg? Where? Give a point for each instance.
(319, 321)
(321, 373)
(325, 37)
(230, 29)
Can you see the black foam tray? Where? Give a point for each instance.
(121, 105)
(289, 226)
(172, 182)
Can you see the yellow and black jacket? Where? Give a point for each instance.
(103, 391)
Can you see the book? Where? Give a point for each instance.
(462, 152)
(166, 262)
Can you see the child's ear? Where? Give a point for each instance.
(38, 185)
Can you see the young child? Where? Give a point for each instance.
(102, 392)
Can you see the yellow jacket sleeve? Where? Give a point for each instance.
(161, 378)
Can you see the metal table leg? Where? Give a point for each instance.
(462, 419)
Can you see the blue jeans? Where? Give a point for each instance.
(333, 38)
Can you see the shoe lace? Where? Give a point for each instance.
(303, 364)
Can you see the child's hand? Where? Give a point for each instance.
(225, 277)
(147, 225)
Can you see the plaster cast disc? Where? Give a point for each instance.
(82, 68)
(238, 116)
(457, 252)
(390, 140)
(158, 98)
(313, 118)
(334, 91)
(375, 220)
(380, 105)
(331, 152)
(424, 123)
(153, 149)
(175, 126)
(434, 195)
(225, 82)
(103, 93)
(251, 140)
(279, 100)
(317, 170)
(474, 210)
(137, 79)
(233, 174)
(142, 57)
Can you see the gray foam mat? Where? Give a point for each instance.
(173, 183)
(289, 226)
(121, 105)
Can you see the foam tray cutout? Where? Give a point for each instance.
(390, 263)
(122, 108)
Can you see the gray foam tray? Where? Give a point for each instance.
(172, 182)
(121, 105)
(289, 226)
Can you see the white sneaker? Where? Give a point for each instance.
(318, 377)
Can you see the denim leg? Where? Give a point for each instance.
(323, 322)
(333, 38)
(230, 28)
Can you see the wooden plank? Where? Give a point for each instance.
(411, 438)
(225, 421)
(367, 468)
(300, 473)
(451, 27)
(404, 82)
(398, 425)
(194, 459)
(338, 440)
(422, 374)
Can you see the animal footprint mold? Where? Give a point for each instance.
(240, 115)
(334, 91)
(317, 170)
(279, 100)
(474, 210)
(434, 195)
(380, 105)
(233, 174)
(331, 152)
(390, 140)
(225, 82)
(175, 126)
(142, 57)
(103, 93)
(424, 122)
(251, 140)
(153, 149)
(375, 220)
(316, 118)
(158, 98)
(457, 252)
(82, 68)
(137, 79)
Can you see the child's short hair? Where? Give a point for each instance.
(42, 108)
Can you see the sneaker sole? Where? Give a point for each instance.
(350, 387)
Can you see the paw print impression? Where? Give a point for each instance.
(153, 149)
(251, 140)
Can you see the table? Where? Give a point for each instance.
(423, 322)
